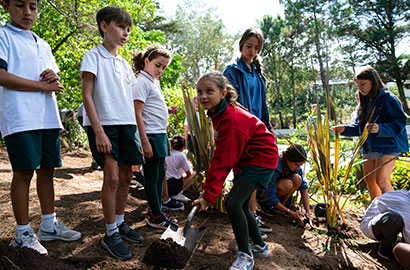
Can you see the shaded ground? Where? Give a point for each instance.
(78, 205)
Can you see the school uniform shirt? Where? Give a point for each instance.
(112, 93)
(397, 201)
(389, 116)
(177, 164)
(241, 140)
(270, 193)
(155, 111)
(24, 54)
(251, 88)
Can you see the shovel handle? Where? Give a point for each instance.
(193, 212)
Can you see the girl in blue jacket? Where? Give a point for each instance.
(387, 137)
(245, 75)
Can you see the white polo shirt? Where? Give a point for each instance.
(397, 201)
(155, 112)
(112, 94)
(27, 56)
(177, 164)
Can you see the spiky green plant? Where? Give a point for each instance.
(326, 164)
(204, 144)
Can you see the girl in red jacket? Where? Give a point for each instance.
(245, 145)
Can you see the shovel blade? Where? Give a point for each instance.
(186, 236)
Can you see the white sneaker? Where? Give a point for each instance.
(57, 232)
(258, 251)
(181, 197)
(243, 262)
(29, 240)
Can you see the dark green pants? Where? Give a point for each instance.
(242, 219)
(154, 174)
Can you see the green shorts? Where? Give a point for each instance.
(175, 186)
(159, 144)
(125, 141)
(34, 149)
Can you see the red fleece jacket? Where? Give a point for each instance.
(241, 140)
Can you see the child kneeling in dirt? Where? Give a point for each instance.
(30, 123)
(111, 125)
(243, 144)
(177, 166)
(386, 217)
(287, 178)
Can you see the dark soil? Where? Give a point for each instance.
(166, 253)
(78, 205)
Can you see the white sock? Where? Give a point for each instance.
(48, 220)
(22, 228)
(119, 219)
(111, 228)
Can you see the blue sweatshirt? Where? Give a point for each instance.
(389, 116)
(251, 89)
(270, 196)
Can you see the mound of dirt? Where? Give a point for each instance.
(26, 258)
(166, 253)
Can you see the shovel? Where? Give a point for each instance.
(186, 236)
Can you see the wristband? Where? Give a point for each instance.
(287, 212)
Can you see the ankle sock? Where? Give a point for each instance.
(111, 228)
(119, 219)
(22, 228)
(48, 220)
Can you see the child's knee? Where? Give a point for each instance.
(111, 180)
(296, 180)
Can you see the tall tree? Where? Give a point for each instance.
(380, 26)
(201, 39)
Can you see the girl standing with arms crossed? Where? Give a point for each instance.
(387, 137)
(245, 145)
(246, 77)
(152, 120)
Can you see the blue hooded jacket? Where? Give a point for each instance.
(254, 102)
(389, 116)
(270, 196)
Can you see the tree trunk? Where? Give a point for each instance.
(402, 96)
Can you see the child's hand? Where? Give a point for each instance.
(372, 128)
(338, 129)
(204, 204)
(297, 217)
(103, 143)
(55, 86)
(49, 76)
(173, 109)
(147, 149)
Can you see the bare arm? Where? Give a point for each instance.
(101, 139)
(17, 83)
(146, 146)
(305, 200)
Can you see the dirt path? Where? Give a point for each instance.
(78, 205)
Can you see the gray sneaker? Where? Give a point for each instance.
(116, 247)
(129, 234)
(57, 232)
(261, 225)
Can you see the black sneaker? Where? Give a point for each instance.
(116, 247)
(261, 225)
(267, 210)
(129, 234)
(172, 205)
(385, 251)
(161, 222)
(173, 220)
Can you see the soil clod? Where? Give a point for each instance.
(166, 253)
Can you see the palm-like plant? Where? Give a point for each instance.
(326, 165)
(202, 140)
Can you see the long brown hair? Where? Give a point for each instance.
(370, 74)
(253, 32)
